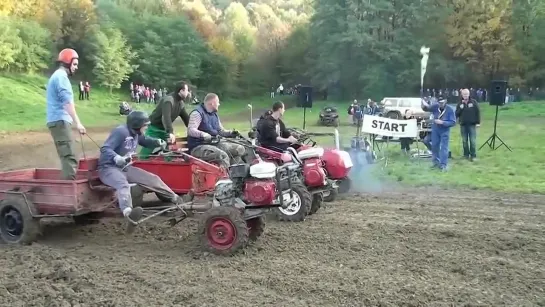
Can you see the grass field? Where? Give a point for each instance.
(520, 125)
(22, 104)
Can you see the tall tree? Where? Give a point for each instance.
(112, 57)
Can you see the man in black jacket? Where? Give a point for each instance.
(272, 132)
(469, 117)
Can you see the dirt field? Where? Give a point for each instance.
(465, 248)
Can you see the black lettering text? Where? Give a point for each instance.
(374, 123)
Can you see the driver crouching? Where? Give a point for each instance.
(114, 171)
(272, 132)
(204, 123)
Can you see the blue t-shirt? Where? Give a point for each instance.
(58, 94)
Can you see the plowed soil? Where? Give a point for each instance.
(397, 248)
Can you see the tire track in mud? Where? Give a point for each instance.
(396, 249)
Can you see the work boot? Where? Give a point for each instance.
(134, 216)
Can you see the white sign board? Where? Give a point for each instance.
(403, 128)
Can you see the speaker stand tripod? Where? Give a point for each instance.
(304, 117)
(491, 142)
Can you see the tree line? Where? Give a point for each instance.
(349, 48)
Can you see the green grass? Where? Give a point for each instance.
(521, 126)
(22, 104)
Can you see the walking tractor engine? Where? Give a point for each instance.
(260, 188)
(313, 171)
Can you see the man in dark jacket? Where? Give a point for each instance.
(113, 169)
(272, 132)
(469, 116)
(165, 113)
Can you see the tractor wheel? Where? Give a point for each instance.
(332, 195)
(345, 185)
(317, 200)
(336, 122)
(300, 206)
(17, 226)
(223, 231)
(137, 196)
(256, 227)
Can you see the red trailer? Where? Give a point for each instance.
(28, 195)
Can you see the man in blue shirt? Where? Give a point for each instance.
(61, 112)
(444, 118)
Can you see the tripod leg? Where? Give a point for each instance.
(502, 143)
(488, 142)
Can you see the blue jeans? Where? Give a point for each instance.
(469, 136)
(440, 148)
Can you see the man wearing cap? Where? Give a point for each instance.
(444, 118)
(61, 111)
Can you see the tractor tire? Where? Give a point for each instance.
(317, 200)
(137, 196)
(332, 195)
(336, 122)
(256, 227)
(223, 231)
(17, 224)
(298, 211)
(345, 185)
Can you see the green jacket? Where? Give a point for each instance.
(166, 112)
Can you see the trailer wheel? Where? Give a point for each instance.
(17, 225)
(317, 200)
(223, 231)
(300, 206)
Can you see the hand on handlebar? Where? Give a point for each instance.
(207, 137)
(292, 139)
(122, 161)
(171, 138)
(235, 133)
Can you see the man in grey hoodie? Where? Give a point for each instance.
(115, 155)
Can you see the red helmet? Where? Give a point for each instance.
(66, 56)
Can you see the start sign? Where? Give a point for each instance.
(383, 126)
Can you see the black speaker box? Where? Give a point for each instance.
(498, 91)
(305, 96)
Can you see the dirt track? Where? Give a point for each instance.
(392, 249)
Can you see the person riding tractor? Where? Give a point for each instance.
(272, 132)
(114, 169)
(204, 123)
(164, 114)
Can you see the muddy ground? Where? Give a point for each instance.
(396, 248)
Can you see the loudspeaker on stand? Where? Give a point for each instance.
(498, 92)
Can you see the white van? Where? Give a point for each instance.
(395, 107)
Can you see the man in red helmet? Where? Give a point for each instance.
(61, 111)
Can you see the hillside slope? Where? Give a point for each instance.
(22, 104)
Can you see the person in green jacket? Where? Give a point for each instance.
(165, 113)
